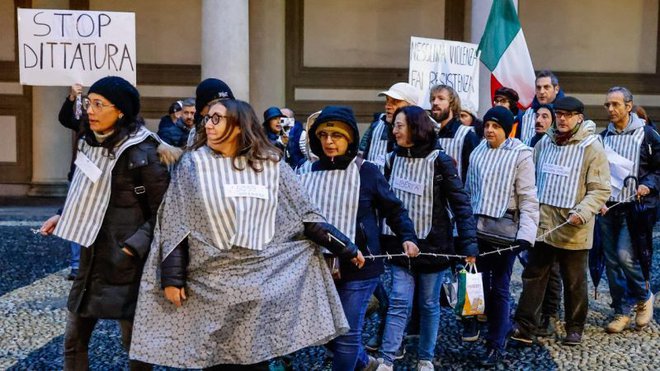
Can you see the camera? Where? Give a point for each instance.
(287, 124)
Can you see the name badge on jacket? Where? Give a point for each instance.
(246, 190)
(87, 167)
(556, 169)
(379, 160)
(408, 186)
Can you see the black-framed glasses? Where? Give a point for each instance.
(215, 118)
(567, 115)
(96, 105)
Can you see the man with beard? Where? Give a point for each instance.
(547, 91)
(176, 133)
(377, 141)
(456, 139)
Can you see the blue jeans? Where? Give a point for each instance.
(496, 275)
(624, 274)
(401, 299)
(75, 256)
(347, 349)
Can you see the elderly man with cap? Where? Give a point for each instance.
(457, 140)
(208, 91)
(573, 180)
(621, 228)
(502, 191)
(377, 141)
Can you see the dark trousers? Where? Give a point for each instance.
(496, 276)
(552, 297)
(573, 269)
(77, 334)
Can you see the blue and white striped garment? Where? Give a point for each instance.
(240, 204)
(627, 145)
(378, 147)
(453, 147)
(527, 125)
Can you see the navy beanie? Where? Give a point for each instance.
(502, 116)
(209, 90)
(336, 113)
(119, 92)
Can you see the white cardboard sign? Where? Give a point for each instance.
(64, 47)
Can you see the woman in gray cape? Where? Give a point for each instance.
(232, 277)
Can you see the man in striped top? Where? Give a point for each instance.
(547, 91)
(621, 228)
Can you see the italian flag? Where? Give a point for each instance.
(504, 52)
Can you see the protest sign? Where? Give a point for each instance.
(451, 63)
(63, 47)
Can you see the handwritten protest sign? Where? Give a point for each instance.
(445, 62)
(63, 47)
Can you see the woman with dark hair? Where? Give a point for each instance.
(110, 209)
(231, 280)
(426, 180)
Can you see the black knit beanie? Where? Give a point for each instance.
(119, 92)
(502, 116)
(211, 89)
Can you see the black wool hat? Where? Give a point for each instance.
(271, 113)
(502, 117)
(119, 92)
(511, 95)
(209, 90)
(569, 104)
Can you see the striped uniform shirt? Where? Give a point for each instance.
(87, 200)
(527, 126)
(412, 182)
(558, 171)
(453, 147)
(337, 194)
(378, 147)
(491, 176)
(240, 204)
(627, 145)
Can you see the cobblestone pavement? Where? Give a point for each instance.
(33, 312)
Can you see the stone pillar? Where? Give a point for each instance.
(226, 44)
(51, 143)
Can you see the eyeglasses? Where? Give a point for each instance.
(215, 119)
(96, 105)
(568, 115)
(333, 136)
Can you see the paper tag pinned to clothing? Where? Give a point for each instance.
(556, 169)
(408, 186)
(88, 167)
(379, 160)
(246, 190)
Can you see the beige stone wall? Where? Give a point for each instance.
(367, 33)
(591, 35)
(167, 31)
(7, 21)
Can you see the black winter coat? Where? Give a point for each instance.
(108, 280)
(448, 190)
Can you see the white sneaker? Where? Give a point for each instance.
(618, 324)
(425, 366)
(383, 367)
(644, 312)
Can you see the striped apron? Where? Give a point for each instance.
(89, 195)
(412, 183)
(337, 194)
(527, 126)
(627, 145)
(558, 171)
(491, 176)
(453, 147)
(240, 205)
(378, 147)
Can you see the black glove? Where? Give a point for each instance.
(522, 245)
(331, 238)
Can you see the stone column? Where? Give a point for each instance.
(51, 143)
(226, 44)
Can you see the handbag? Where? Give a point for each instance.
(471, 299)
(499, 231)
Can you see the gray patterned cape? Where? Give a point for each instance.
(244, 306)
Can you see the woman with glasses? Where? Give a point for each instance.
(353, 195)
(426, 181)
(110, 210)
(233, 279)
